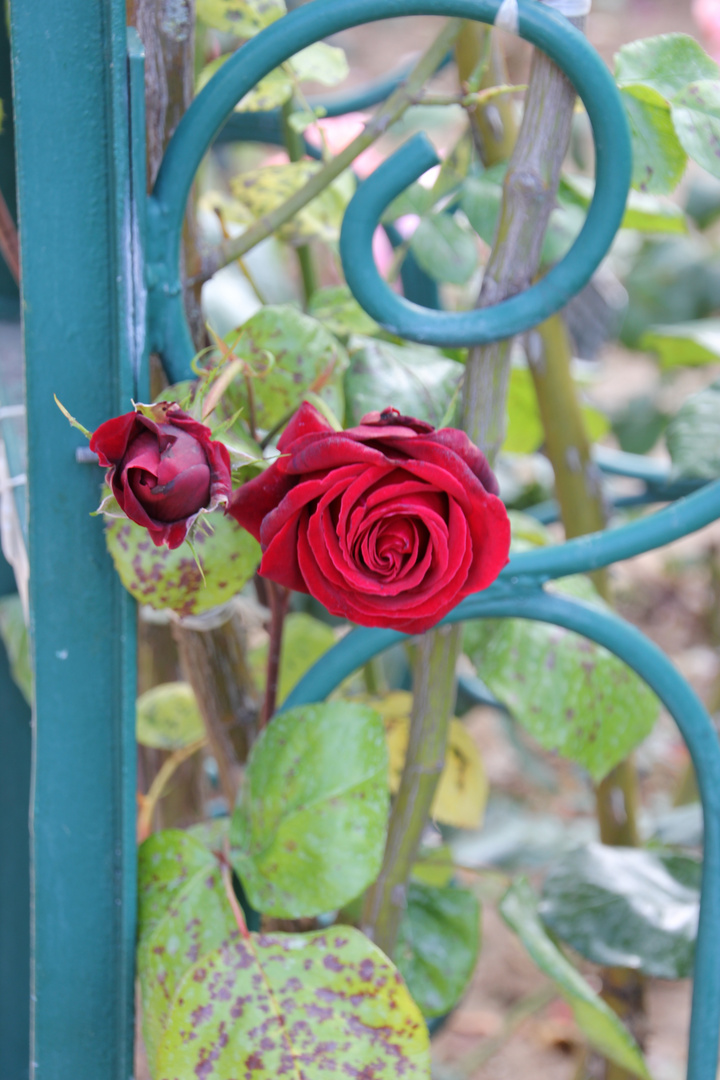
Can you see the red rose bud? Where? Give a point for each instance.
(163, 468)
(389, 524)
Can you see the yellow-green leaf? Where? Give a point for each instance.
(462, 791)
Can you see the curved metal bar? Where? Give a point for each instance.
(596, 550)
(201, 123)
(570, 50)
(636, 466)
(682, 703)
(548, 512)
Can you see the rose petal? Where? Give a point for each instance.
(110, 440)
(306, 421)
(184, 495)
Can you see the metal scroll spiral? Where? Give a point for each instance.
(519, 590)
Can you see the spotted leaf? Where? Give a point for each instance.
(573, 696)
(172, 579)
(305, 1007)
(184, 914)
(296, 355)
(308, 833)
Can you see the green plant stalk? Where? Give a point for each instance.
(583, 510)
(528, 199)
(493, 125)
(434, 698)
(529, 193)
(391, 111)
(214, 661)
(296, 151)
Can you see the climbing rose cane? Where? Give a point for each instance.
(388, 524)
(164, 469)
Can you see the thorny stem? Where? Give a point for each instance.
(470, 101)
(529, 193)
(279, 599)
(395, 106)
(215, 664)
(528, 199)
(296, 151)
(481, 64)
(434, 698)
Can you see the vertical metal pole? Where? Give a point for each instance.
(14, 867)
(71, 115)
(9, 305)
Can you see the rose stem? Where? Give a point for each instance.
(481, 65)
(583, 510)
(279, 599)
(434, 697)
(528, 199)
(295, 146)
(391, 111)
(214, 661)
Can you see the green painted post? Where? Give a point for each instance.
(74, 189)
(9, 305)
(14, 867)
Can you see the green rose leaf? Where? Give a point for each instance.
(168, 717)
(644, 213)
(243, 18)
(259, 1006)
(666, 63)
(525, 431)
(658, 157)
(444, 250)
(273, 90)
(416, 379)
(338, 310)
(603, 1028)
(184, 914)
(573, 696)
(693, 436)
(684, 344)
(438, 945)
(480, 200)
(262, 190)
(416, 199)
(304, 357)
(624, 907)
(321, 63)
(15, 638)
(171, 579)
(696, 115)
(308, 832)
(304, 641)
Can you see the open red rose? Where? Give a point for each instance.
(388, 524)
(163, 468)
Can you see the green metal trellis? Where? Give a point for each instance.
(101, 287)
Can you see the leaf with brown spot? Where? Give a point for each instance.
(303, 1007)
(243, 18)
(262, 190)
(573, 696)
(183, 915)
(171, 579)
(309, 829)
